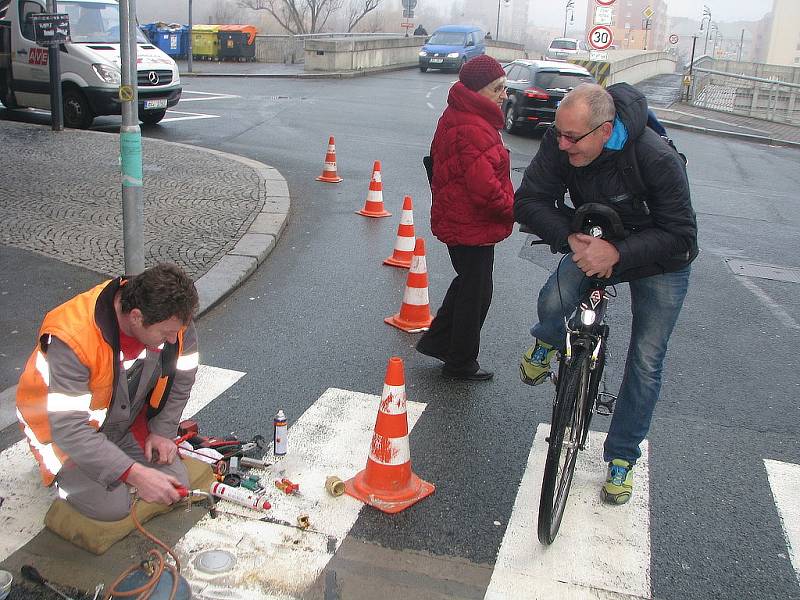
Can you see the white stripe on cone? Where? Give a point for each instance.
(389, 451)
(416, 296)
(393, 400)
(407, 217)
(405, 243)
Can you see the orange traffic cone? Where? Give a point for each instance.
(329, 167)
(415, 311)
(387, 482)
(373, 207)
(404, 245)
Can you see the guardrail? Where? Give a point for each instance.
(757, 97)
(290, 49)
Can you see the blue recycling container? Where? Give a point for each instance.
(149, 30)
(173, 40)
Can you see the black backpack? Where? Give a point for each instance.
(630, 163)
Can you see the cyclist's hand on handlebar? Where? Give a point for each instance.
(594, 256)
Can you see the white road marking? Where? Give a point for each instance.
(27, 500)
(784, 479)
(780, 313)
(188, 118)
(205, 96)
(430, 106)
(274, 559)
(601, 551)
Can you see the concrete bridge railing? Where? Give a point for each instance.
(631, 66)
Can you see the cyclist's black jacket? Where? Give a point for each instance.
(661, 221)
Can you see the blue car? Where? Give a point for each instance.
(451, 46)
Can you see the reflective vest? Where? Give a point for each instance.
(88, 325)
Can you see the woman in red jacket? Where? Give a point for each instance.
(472, 210)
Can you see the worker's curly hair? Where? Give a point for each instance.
(161, 292)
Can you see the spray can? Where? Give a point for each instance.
(241, 496)
(281, 434)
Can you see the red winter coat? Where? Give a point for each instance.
(473, 196)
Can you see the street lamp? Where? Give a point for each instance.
(497, 29)
(706, 15)
(569, 9)
(717, 38)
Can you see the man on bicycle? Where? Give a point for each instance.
(599, 135)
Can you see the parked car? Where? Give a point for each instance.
(562, 49)
(535, 89)
(451, 46)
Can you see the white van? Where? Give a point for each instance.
(562, 49)
(90, 64)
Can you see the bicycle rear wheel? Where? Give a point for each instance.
(566, 433)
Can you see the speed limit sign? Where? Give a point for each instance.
(600, 37)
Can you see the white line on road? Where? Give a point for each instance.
(780, 313)
(206, 96)
(601, 551)
(189, 118)
(27, 500)
(275, 559)
(784, 479)
(430, 106)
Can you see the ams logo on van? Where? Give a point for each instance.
(37, 56)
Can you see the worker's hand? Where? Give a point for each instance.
(594, 256)
(153, 485)
(160, 450)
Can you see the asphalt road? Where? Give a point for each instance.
(311, 318)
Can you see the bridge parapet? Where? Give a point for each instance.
(631, 66)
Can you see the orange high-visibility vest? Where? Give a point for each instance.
(76, 324)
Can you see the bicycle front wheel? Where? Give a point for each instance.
(566, 432)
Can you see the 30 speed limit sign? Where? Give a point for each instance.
(600, 37)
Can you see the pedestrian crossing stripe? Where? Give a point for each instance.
(274, 557)
(26, 500)
(601, 551)
(784, 480)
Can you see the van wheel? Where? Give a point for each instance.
(6, 93)
(511, 119)
(151, 117)
(423, 69)
(77, 114)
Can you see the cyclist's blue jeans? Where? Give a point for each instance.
(655, 303)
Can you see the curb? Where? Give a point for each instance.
(321, 75)
(257, 241)
(747, 137)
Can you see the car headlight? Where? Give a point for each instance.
(453, 55)
(423, 53)
(107, 74)
(588, 316)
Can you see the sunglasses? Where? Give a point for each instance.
(572, 139)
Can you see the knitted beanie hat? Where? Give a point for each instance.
(480, 71)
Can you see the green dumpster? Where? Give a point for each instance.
(205, 42)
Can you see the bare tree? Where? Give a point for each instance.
(358, 9)
(225, 11)
(297, 16)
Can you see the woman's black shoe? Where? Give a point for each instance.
(479, 375)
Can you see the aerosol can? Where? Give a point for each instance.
(281, 434)
(245, 497)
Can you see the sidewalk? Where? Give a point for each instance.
(216, 215)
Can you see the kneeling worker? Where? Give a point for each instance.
(102, 394)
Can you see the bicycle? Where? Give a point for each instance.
(580, 370)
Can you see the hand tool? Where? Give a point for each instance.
(30, 573)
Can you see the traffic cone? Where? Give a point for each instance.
(387, 482)
(404, 245)
(373, 207)
(415, 311)
(329, 167)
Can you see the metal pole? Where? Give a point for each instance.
(497, 29)
(130, 144)
(54, 62)
(741, 43)
(691, 68)
(708, 29)
(189, 44)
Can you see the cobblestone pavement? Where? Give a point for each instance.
(62, 197)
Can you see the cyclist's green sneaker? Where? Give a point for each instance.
(535, 366)
(619, 483)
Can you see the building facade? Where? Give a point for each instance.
(783, 46)
(631, 27)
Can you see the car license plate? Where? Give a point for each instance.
(155, 104)
(437, 60)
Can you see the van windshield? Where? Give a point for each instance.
(448, 38)
(94, 22)
(564, 44)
